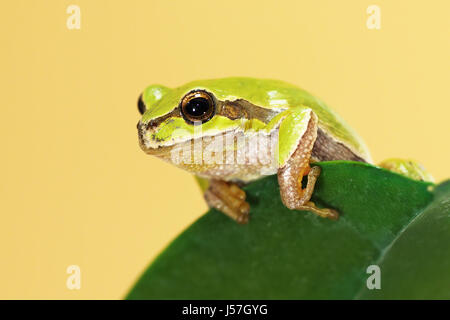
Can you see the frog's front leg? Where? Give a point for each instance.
(295, 165)
(228, 198)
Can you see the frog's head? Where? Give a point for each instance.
(171, 117)
(197, 109)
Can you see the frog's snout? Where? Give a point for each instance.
(141, 127)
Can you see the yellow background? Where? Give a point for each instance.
(76, 188)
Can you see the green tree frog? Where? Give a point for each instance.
(232, 131)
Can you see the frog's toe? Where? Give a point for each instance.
(229, 199)
(243, 218)
(321, 212)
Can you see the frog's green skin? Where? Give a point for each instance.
(407, 167)
(307, 130)
(280, 97)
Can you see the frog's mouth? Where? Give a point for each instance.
(148, 146)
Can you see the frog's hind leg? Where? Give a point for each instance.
(290, 176)
(228, 198)
(313, 175)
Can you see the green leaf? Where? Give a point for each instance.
(417, 264)
(386, 219)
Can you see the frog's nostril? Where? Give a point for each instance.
(151, 125)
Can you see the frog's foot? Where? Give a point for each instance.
(313, 175)
(228, 198)
(321, 212)
(295, 197)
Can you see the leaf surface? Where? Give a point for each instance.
(386, 219)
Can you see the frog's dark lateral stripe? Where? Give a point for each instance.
(236, 109)
(326, 149)
(175, 113)
(242, 109)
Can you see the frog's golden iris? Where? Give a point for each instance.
(197, 106)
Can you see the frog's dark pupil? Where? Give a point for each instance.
(197, 107)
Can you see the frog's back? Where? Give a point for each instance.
(273, 94)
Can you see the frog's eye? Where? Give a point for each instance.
(141, 105)
(197, 106)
